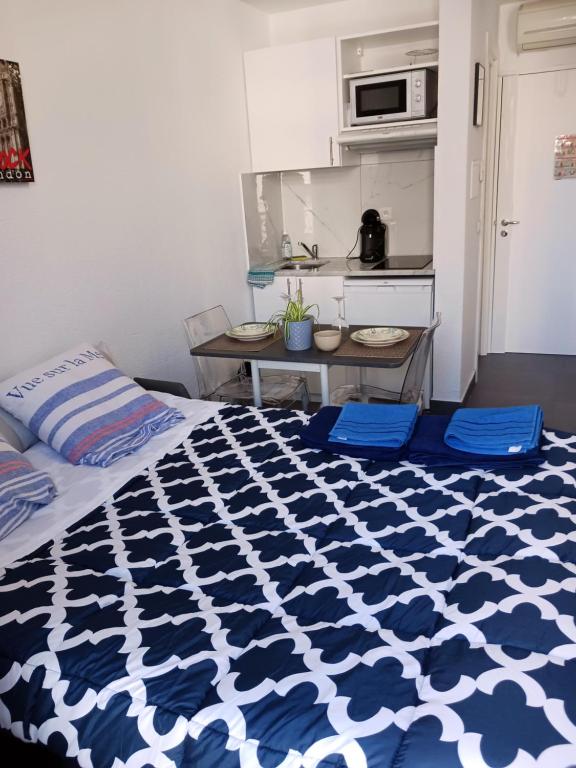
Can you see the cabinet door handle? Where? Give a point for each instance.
(331, 150)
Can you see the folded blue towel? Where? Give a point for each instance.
(495, 431)
(260, 278)
(316, 435)
(385, 426)
(428, 447)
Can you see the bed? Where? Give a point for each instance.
(227, 597)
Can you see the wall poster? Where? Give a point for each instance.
(15, 156)
(565, 156)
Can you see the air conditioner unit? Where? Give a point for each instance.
(546, 24)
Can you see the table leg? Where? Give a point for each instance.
(324, 386)
(256, 389)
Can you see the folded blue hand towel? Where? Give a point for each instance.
(427, 447)
(316, 434)
(495, 431)
(385, 426)
(260, 278)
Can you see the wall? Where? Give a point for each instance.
(484, 47)
(348, 17)
(325, 205)
(134, 221)
(467, 33)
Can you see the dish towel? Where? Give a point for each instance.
(495, 431)
(427, 447)
(262, 276)
(316, 434)
(385, 426)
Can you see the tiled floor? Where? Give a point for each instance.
(518, 379)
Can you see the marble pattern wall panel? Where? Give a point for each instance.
(262, 193)
(322, 206)
(325, 205)
(402, 190)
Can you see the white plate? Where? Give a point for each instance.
(251, 331)
(379, 334)
(379, 340)
(260, 337)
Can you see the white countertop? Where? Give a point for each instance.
(341, 267)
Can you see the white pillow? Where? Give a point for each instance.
(85, 408)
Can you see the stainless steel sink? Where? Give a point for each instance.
(305, 264)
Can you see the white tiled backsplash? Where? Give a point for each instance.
(325, 205)
(262, 194)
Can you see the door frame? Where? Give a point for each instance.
(490, 207)
(488, 254)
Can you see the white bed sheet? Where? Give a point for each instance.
(81, 488)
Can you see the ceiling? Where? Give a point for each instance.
(277, 6)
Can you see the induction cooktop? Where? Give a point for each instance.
(397, 262)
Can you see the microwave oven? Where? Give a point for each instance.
(410, 95)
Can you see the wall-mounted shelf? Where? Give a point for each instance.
(394, 136)
(383, 52)
(389, 126)
(385, 49)
(391, 70)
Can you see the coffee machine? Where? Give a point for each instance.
(372, 237)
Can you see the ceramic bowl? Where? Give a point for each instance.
(328, 341)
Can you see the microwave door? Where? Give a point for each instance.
(381, 101)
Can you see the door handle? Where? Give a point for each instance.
(508, 222)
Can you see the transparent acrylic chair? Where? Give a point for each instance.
(222, 379)
(412, 387)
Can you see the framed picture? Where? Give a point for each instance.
(479, 75)
(15, 156)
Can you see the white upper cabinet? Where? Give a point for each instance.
(292, 99)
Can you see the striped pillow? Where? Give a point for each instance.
(23, 489)
(85, 408)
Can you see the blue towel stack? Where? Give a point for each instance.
(495, 431)
(427, 447)
(383, 426)
(316, 434)
(260, 277)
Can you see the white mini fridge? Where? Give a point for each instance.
(391, 301)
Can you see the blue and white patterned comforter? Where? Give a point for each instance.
(250, 602)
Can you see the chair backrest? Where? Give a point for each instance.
(200, 328)
(414, 379)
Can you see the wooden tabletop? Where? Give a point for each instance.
(387, 357)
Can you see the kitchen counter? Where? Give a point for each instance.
(340, 267)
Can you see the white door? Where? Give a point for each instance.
(535, 260)
(292, 99)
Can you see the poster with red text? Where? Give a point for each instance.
(15, 156)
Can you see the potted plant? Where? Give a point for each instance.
(296, 322)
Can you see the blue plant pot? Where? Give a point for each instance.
(299, 337)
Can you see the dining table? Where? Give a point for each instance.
(271, 353)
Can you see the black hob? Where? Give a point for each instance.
(397, 262)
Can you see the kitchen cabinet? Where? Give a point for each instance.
(316, 290)
(370, 302)
(391, 301)
(292, 101)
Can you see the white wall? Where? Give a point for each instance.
(464, 26)
(348, 17)
(137, 121)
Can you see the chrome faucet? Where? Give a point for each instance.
(313, 253)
